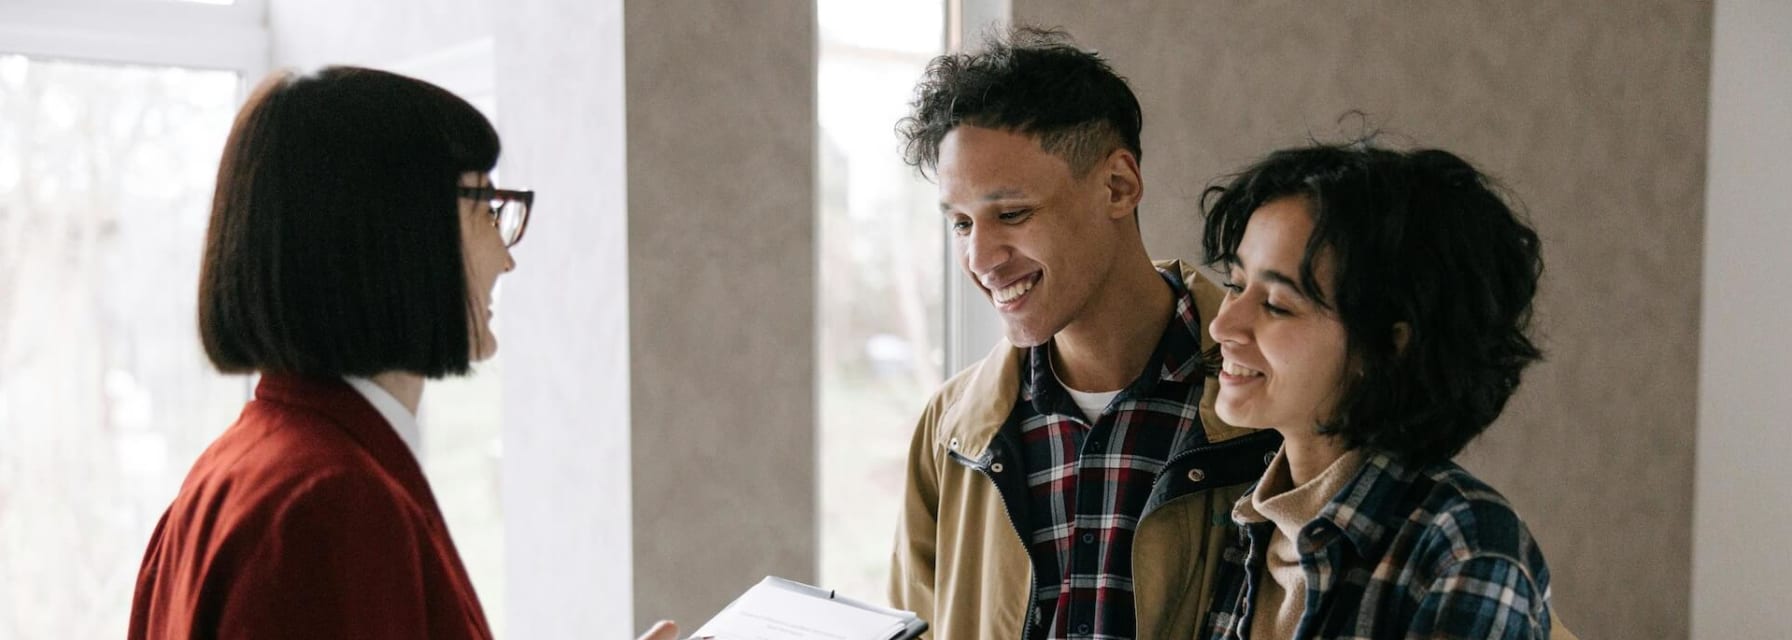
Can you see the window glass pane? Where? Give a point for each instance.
(881, 258)
(106, 398)
(462, 449)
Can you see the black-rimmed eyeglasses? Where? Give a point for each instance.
(509, 208)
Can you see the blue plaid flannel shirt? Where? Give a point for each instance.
(1400, 552)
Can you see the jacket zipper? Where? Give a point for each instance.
(1014, 525)
(1168, 464)
(1026, 623)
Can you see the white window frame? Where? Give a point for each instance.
(159, 33)
(972, 327)
(140, 32)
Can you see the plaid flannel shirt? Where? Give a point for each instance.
(1088, 484)
(1400, 552)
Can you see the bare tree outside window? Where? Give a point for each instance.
(106, 175)
(880, 255)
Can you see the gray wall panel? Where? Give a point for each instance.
(721, 181)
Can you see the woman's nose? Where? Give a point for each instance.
(1228, 326)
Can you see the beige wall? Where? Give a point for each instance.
(721, 242)
(1594, 114)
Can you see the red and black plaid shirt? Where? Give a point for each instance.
(1087, 484)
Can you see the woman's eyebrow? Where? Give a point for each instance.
(1277, 277)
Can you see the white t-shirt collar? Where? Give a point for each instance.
(1093, 403)
(401, 419)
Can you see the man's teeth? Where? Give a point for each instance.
(1236, 369)
(1011, 292)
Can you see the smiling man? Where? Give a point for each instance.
(1076, 483)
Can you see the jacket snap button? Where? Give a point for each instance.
(953, 444)
(997, 467)
(1196, 475)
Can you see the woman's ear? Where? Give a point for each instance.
(1402, 335)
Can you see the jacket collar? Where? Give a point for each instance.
(1177, 358)
(993, 385)
(334, 400)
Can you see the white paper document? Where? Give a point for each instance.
(779, 609)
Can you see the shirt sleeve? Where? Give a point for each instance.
(1482, 598)
(341, 559)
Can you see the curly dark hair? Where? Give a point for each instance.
(1416, 237)
(1031, 81)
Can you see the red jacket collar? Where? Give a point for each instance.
(335, 400)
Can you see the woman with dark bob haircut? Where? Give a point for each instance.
(354, 243)
(1376, 315)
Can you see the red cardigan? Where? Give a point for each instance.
(308, 518)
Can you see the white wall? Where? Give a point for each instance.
(567, 402)
(311, 33)
(1743, 505)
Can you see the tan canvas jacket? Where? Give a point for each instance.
(959, 560)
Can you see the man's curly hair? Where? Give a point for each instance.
(1031, 81)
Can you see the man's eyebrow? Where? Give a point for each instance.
(999, 194)
(1002, 193)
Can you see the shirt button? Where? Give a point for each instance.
(1269, 457)
(1095, 446)
(1088, 538)
(953, 444)
(1082, 628)
(1196, 475)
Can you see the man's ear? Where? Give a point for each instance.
(1125, 185)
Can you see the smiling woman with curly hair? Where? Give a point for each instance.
(1377, 310)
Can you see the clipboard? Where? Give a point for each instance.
(782, 609)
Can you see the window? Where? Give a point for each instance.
(881, 258)
(106, 175)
